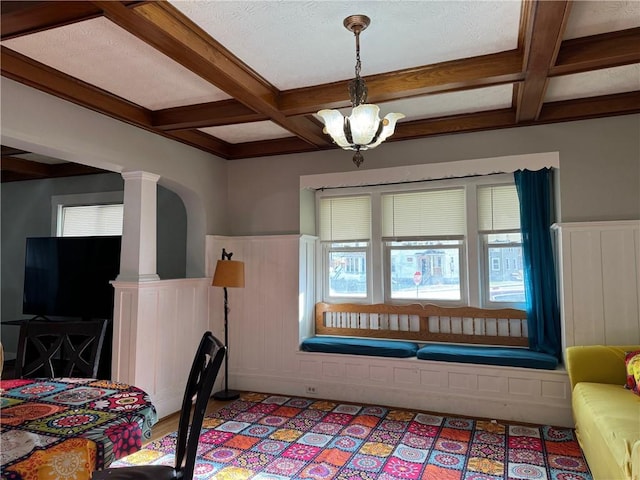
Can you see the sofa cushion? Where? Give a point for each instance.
(597, 363)
(508, 356)
(360, 346)
(632, 364)
(608, 426)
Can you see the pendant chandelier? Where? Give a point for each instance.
(363, 129)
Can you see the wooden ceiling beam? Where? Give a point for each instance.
(22, 69)
(264, 148)
(205, 142)
(30, 72)
(169, 31)
(542, 40)
(594, 107)
(211, 114)
(606, 50)
(586, 53)
(5, 150)
(487, 70)
(24, 167)
(23, 18)
(472, 122)
(14, 168)
(568, 110)
(480, 71)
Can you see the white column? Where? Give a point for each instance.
(138, 251)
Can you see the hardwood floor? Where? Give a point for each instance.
(169, 424)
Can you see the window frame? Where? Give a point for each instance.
(59, 202)
(472, 264)
(461, 248)
(326, 251)
(486, 281)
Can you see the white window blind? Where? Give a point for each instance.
(498, 208)
(92, 220)
(345, 218)
(423, 214)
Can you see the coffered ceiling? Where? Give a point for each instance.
(245, 78)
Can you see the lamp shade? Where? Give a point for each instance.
(363, 124)
(229, 273)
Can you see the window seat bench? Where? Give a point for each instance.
(488, 355)
(360, 346)
(426, 332)
(477, 354)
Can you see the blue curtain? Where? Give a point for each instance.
(543, 313)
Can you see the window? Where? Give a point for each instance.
(499, 231)
(452, 242)
(91, 220)
(424, 270)
(423, 235)
(83, 215)
(345, 230)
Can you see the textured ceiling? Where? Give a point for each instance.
(298, 44)
(246, 78)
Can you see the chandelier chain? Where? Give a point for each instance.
(358, 64)
(357, 87)
(363, 129)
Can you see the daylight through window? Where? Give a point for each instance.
(449, 242)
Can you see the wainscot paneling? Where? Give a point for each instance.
(157, 327)
(599, 269)
(270, 315)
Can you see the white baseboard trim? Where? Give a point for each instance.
(450, 403)
(501, 393)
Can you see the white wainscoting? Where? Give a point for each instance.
(599, 268)
(266, 319)
(156, 330)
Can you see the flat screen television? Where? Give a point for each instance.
(69, 276)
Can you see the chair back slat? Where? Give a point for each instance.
(204, 371)
(48, 348)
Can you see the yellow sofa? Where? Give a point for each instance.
(607, 416)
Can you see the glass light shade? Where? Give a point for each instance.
(229, 273)
(387, 130)
(334, 126)
(364, 123)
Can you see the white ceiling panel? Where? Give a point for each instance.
(589, 17)
(301, 43)
(102, 54)
(247, 132)
(598, 82)
(445, 104)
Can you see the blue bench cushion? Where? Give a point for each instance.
(513, 357)
(360, 346)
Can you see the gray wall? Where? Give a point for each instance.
(37, 122)
(599, 171)
(26, 212)
(172, 235)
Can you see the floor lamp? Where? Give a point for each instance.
(229, 274)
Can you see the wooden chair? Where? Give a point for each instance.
(60, 348)
(204, 371)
